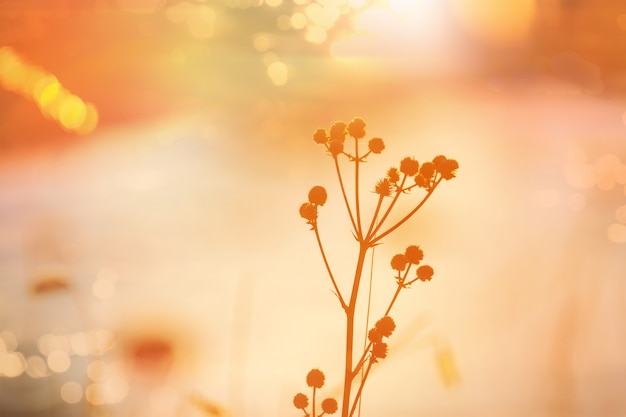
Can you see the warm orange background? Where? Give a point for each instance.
(175, 220)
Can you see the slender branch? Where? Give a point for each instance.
(393, 202)
(356, 188)
(411, 213)
(373, 223)
(345, 197)
(358, 393)
(361, 361)
(330, 273)
(400, 286)
(348, 375)
(313, 406)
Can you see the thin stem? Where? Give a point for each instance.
(348, 375)
(400, 286)
(345, 197)
(393, 202)
(356, 188)
(313, 406)
(411, 213)
(373, 223)
(361, 361)
(358, 393)
(330, 273)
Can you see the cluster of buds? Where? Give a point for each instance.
(401, 263)
(314, 379)
(424, 176)
(308, 210)
(383, 328)
(334, 139)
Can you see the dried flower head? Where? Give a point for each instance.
(318, 195)
(329, 406)
(376, 145)
(399, 261)
(320, 136)
(393, 174)
(301, 401)
(338, 131)
(356, 128)
(427, 170)
(374, 335)
(425, 273)
(409, 166)
(379, 350)
(384, 187)
(309, 212)
(414, 254)
(421, 181)
(335, 147)
(446, 167)
(386, 326)
(315, 378)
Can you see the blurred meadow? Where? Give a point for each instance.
(154, 153)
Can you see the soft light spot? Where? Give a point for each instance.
(48, 92)
(36, 367)
(201, 22)
(103, 289)
(301, 2)
(261, 42)
(72, 112)
(8, 341)
(115, 388)
(315, 34)
(59, 361)
(14, 364)
(103, 340)
(495, 20)
(298, 20)
(81, 343)
(97, 370)
(581, 176)
(278, 72)
(273, 3)
(283, 22)
(90, 122)
(94, 394)
(71, 392)
(620, 214)
(616, 233)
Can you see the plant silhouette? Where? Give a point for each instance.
(398, 182)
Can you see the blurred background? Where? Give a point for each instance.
(154, 153)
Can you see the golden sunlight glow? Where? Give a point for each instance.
(616, 233)
(494, 20)
(261, 42)
(52, 98)
(71, 392)
(94, 394)
(201, 22)
(273, 3)
(315, 34)
(14, 365)
(59, 361)
(298, 20)
(278, 72)
(36, 367)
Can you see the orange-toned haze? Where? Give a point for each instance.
(154, 154)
